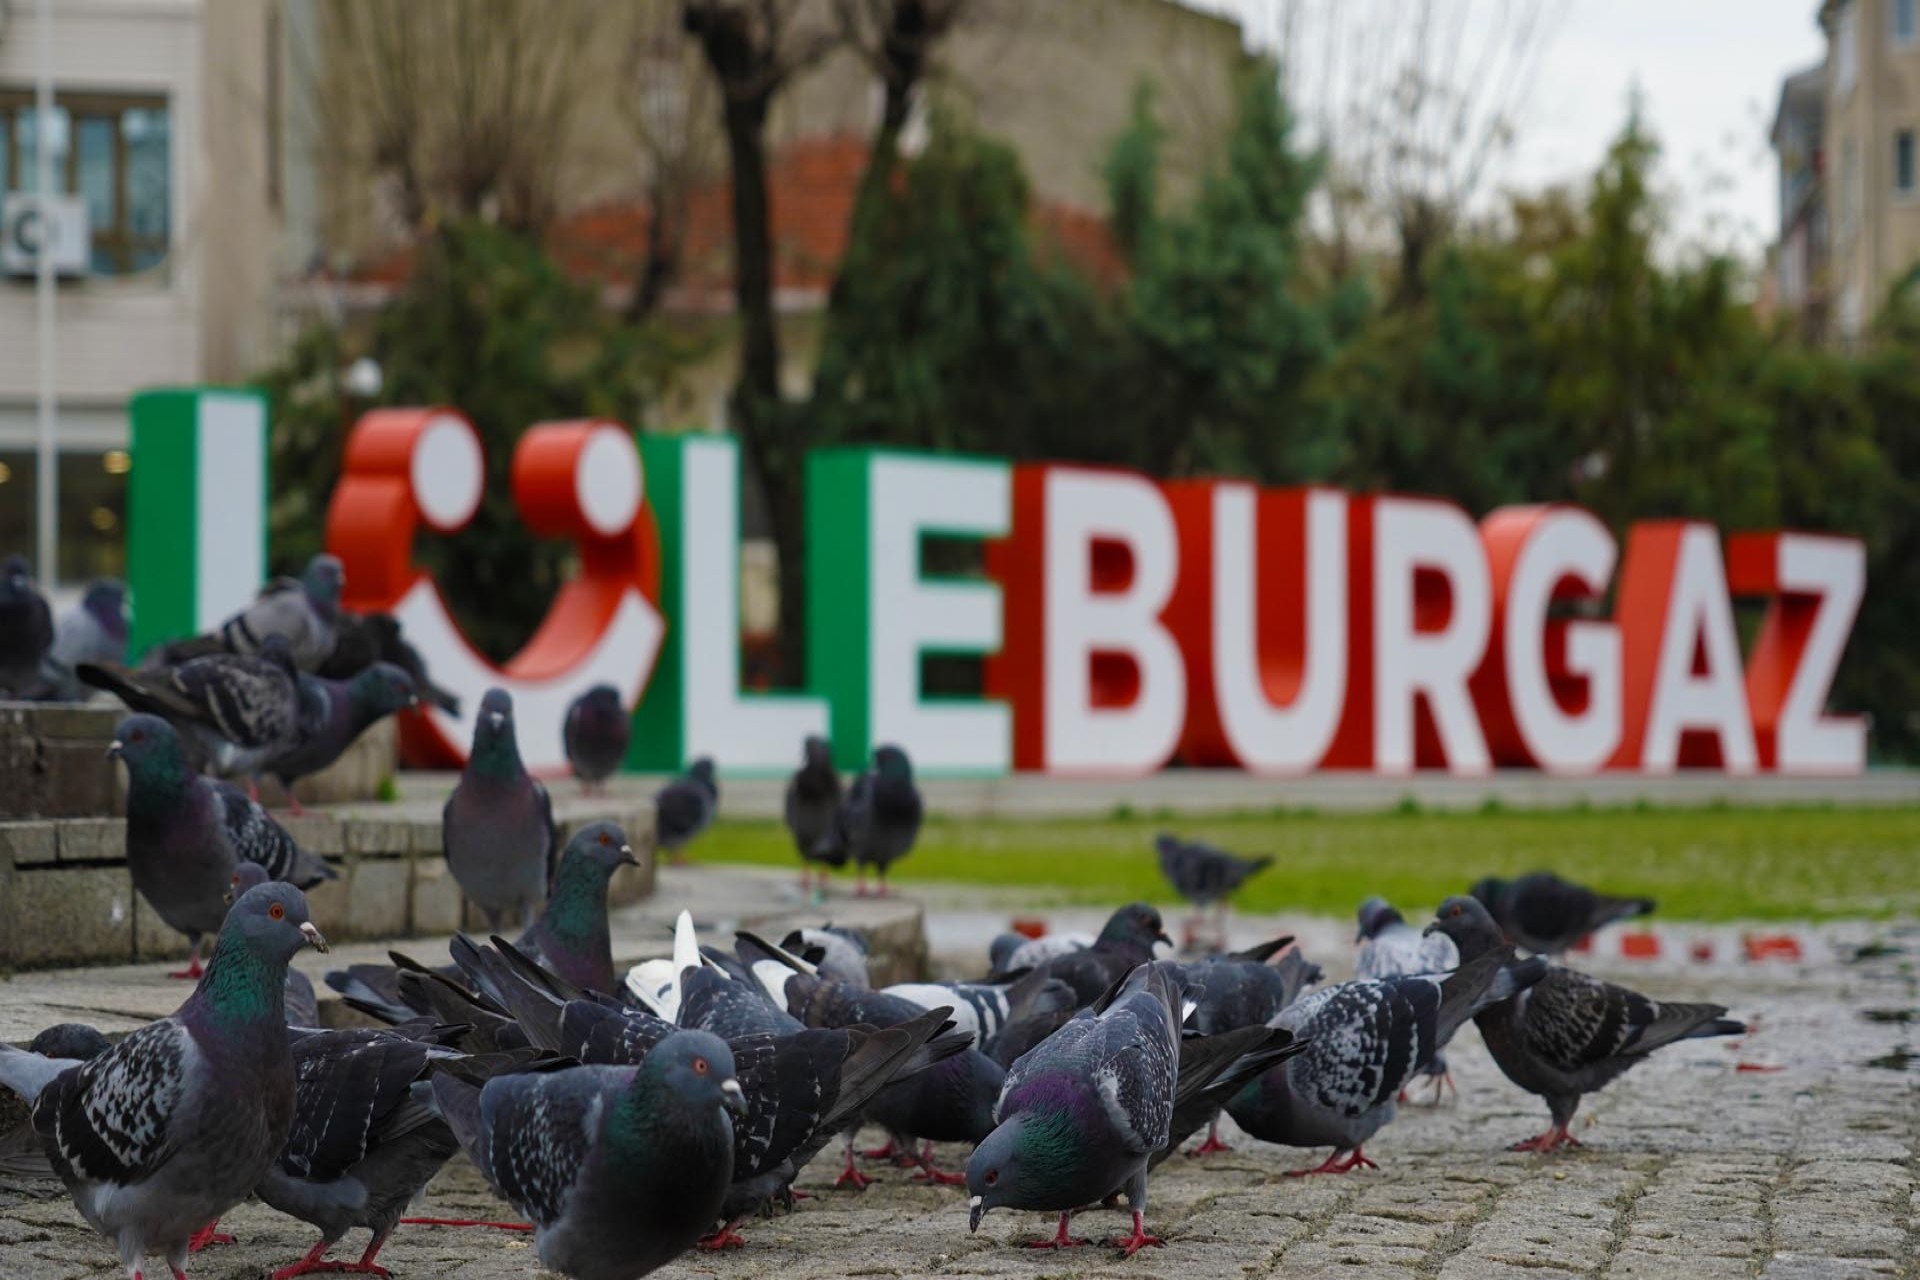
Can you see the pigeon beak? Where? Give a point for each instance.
(312, 935)
(495, 719)
(1430, 929)
(975, 1211)
(734, 1098)
(1359, 935)
(1162, 937)
(116, 749)
(626, 856)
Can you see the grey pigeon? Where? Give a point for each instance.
(497, 827)
(620, 1169)
(362, 639)
(365, 1138)
(74, 1040)
(302, 1005)
(981, 1009)
(332, 714)
(186, 833)
(1010, 951)
(174, 1125)
(1083, 1112)
(95, 630)
(1205, 876)
(1571, 1034)
(1243, 990)
(1548, 915)
(838, 953)
(879, 819)
(812, 809)
(571, 937)
(235, 713)
(952, 1101)
(1125, 942)
(1392, 948)
(595, 735)
(300, 611)
(684, 807)
(1367, 1039)
(26, 631)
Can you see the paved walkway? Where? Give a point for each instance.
(1692, 1167)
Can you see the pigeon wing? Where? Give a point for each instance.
(110, 1120)
(345, 1084)
(538, 1131)
(251, 701)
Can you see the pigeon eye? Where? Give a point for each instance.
(277, 912)
(603, 838)
(1453, 911)
(992, 1178)
(699, 1066)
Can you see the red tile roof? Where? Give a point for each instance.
(811, 186)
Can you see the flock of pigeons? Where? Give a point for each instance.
(631, 1117)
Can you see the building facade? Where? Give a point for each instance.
(1847, 134)
(164, 120)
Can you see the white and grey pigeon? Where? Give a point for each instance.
(1392, 948)
(1083, 1112)
(1366, 1040)
(684, 808)
(95, 630)
(620, 1169)
(171, 1127)
(497, 827)
(186, 833)
(1010, 951)
(837, 952)
(302, 611)
(26, 630)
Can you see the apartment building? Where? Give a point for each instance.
(1847, 134)
(163, 120)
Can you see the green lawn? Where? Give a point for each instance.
(1709, 864)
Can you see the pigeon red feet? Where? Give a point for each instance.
(1552, 1140)
(1211, 1145)
(1060, 1240)
(253, 790)
(207, 1236)
(1138, 1240)
(859, 1180)
(1442, 1083)
(466, 1222)
(315, 1264)
(193, 969)
(932, 1175)
(294, 806)
(888, 1152)
(1334, 1164)
(725, 1238)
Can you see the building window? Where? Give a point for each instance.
(1903, 162)
(117, 153)
(93, 510)
(1846, 50)
(1906, 23)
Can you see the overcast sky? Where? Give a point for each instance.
(1710, 74)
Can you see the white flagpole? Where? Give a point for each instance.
(48, 479)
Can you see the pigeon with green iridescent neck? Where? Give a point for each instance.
(620, 1169)
(303, 1007)
(497, 827)
(186, 833)
(171, 1127)
(570, 937)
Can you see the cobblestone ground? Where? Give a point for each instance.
(1693, 1167)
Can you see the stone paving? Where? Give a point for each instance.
(1693, 1167)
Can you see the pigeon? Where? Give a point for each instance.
(333, 713)
(812, 810)
(950, 1102)
(620, 1169)
(186, 833)
(1202, 874)
(497, 827)
(1010, 951)
(1571, 1034)
(683, 808)
(1368, 1038)
(596, 733)
(1392, 948)
(174, 1125)
(300, 611)
(1125, 942)
(1082, 1113)
(841, 952)
(878, 820)
(75, 1040)
(365, 1139)
(570, 937)
(1242, 990)
(362, 639)
(1548, 915)
(22, 1154)
(26, 631)
(95, 630)
(235, 713)
(981, 1009)
(302, 1006)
